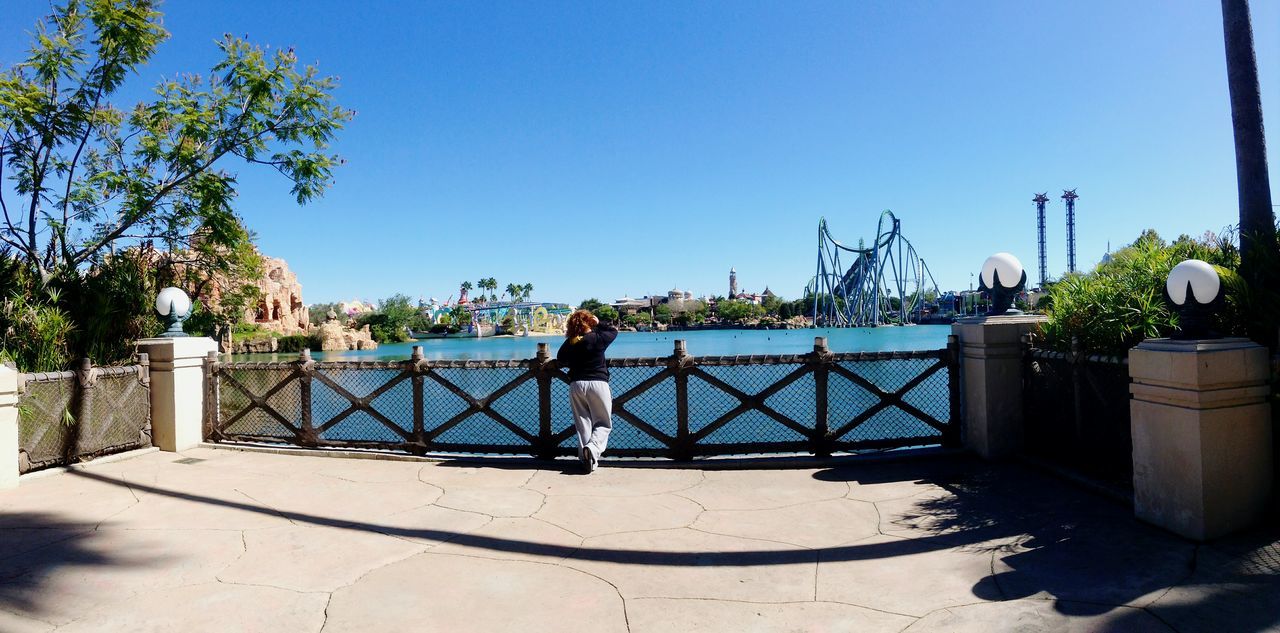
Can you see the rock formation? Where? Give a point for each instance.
(334, 337)
(280, 307)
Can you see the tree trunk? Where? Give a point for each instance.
(1258, 250)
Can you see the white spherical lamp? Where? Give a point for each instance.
(175, 306)
(1006, 267)
(1194, 292)
(1004, 277)
(1193, 280)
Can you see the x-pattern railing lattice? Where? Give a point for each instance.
(683, 443)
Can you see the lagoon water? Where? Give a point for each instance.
(649, 344)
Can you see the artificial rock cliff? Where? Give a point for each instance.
(334, 337)
(280, 307)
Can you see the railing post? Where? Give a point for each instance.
(542, 368)
(991, 374)
(306, 368)
(952, 437)
(9, 451)
(86, 380)
(1202, 434)
(144, 369)
(420, 368)
(210, 430)
(679, 363)
(178, 390)
(1076, 360)
(821, 439)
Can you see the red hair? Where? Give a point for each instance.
(580, 322)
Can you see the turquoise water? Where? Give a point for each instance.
(648, 344)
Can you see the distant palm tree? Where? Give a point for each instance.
(466, 288)
(514, 292)
(526, 290)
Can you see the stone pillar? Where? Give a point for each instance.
(177, 389)
(991, 366)
(8, 427)
(1201, 425)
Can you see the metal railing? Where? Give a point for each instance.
(1076, 409)
(677, 407)
(70, 416)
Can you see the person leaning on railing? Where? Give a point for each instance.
(583, 353)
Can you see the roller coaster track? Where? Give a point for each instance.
(884, 285)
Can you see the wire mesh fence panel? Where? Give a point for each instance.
(675, 407)
(644, 421)
(117, 414)
(520, 406)
(259, 403)
(890, 402)
(493, 417)
(64, 417)
(1077, 414)
(729, 409)
(562, 416)
(361, 405)
(46, 426)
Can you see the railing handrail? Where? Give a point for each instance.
(630, 361)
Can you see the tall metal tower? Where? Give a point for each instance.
(1042, 199)
(1070, 196)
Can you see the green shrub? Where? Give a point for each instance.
(1121, 302)
(297, 343)
(37, 335)
(247, 331)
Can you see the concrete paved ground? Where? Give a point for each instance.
(223, 540)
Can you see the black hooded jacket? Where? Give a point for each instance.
(584, 355)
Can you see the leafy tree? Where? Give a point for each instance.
(662, 314)
(606, 314)
(738, 311)
(526, 290)
(319, 312)
(104, 203)
(771, 304)
(591, 305)
(490, 285)
(394, 315)
(514, 291)
(88, 174)
(460, 316)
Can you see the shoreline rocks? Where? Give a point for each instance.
(335, 337)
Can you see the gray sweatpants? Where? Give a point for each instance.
(592, 405)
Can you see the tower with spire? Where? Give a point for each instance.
(733, 282)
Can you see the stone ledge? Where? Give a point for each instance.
(1196, 399)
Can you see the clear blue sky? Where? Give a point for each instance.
(608, 148)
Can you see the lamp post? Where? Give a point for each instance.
(1194, 292)
(175, 306)
(998, 275)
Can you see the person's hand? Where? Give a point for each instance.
(595, 320)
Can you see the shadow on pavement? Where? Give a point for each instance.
(1054, 540)
(36, 546)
